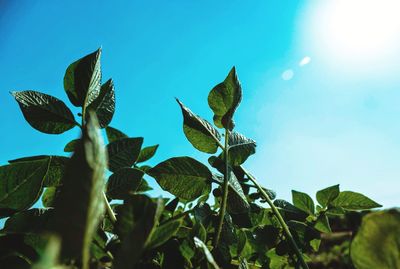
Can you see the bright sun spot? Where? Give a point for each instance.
(355, 32)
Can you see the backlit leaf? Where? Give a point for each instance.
(104, 104)
(349, 200)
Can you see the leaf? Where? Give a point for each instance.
(200, 133)
(303, 201)
(290, 210)
(49, 196)
(70, 147)
(163, 233)
(82, 79)
(122, 182)
(35, 220)
(114, 134)
(21, 184)
(377, 243)
(80, 200)
(240, 148)
(104, 104)
(200, 244)
(349, 200)
(123, 152)
(322, 224)
(55, 171)
(137, 233)
(327, 195)
(147, 153)
(184, 177)
(224, 99)
(44, 112)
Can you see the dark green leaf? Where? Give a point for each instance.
(289, 210)
(303, 201)
(377, 243)
(163, 233)
(122, 182)
(136, 229)
(104, 104)
(49, 196)
(327, 195)
(34, 220)
(82, 79)
(349, 200)
(147, 153)
(237, 202)
(184, 177)
(322, 224)
(70, 147)
(114, 134)
(80, 199)
(240, 148)
(21, 184)
(200, 133)
(224, 99)
(123, 152)
(45, 113)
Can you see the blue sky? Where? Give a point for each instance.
(336, 120)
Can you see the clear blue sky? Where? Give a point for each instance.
(332, 120)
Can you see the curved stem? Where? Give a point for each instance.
(109, 210)
(224, 190)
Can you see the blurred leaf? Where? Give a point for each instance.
(122, 182)
(104, 104)
(44, 112)
(163, 233)
(21, 184)
(184, 177)
(70, 146)
(35, 220)
(322, 224)
(82, 79)
(349, 200)
(200, 133)
(303, 201)
(377, 243)
(147, 153)
(80, 200)
(327, 195)
(123, 152)
(224, 99)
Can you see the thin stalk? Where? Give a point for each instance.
(278, 215)
(224, 190)
(109, 210)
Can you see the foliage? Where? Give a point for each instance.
(88, 222)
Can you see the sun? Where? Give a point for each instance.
(354, 32)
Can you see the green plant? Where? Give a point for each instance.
(89, 223)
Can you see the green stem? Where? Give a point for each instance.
(278, 215)
(109, 210)
(224, 190)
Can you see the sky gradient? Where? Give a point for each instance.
(333, 120)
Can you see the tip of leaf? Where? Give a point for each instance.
(13, 93)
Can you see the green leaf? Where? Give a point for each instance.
(123, 152)
(104, 104)
(21, 184)
(322, 224)
(224, 99)
(200, 133)
(303, 201)
(114, 134)
(184, 177)
(137, 228)
(349, 200)
(124, 181)
(49, 196)
(80, 199)
(147, 153)
(35, 220)
(240, 148)
(327, 195)
(44, 112)
(70, 147)
(377, 243)
(163, 233)
(200, 244)
(82, 79)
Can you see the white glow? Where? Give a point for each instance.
(287, 74)
(306, 60)
(354, 33)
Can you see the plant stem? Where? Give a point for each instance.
(109, 210)
(224, 190)
(278, 215)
